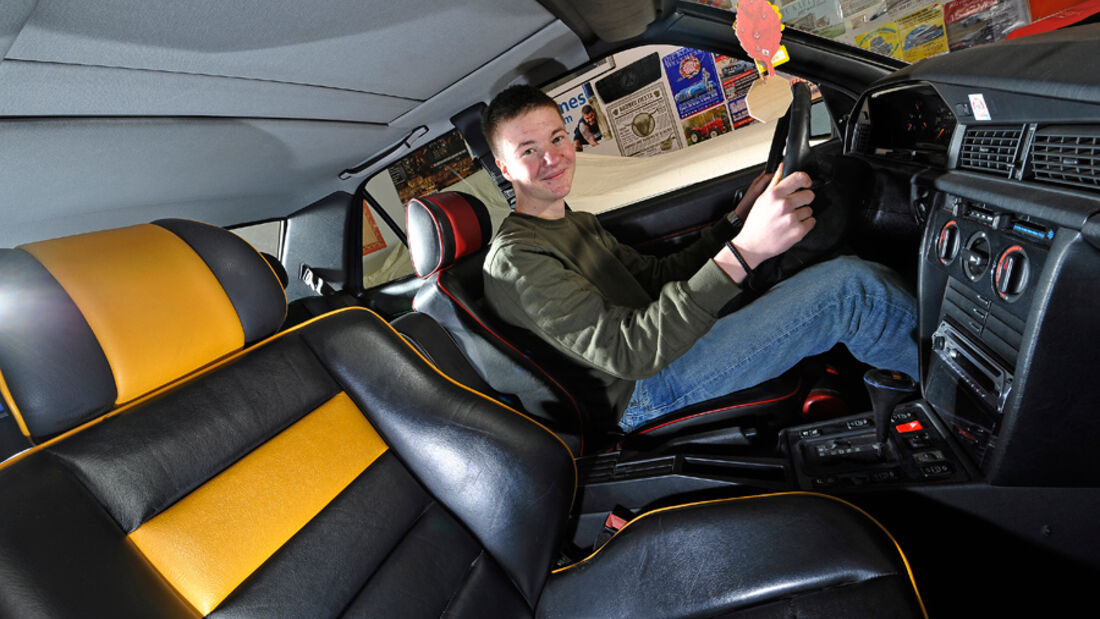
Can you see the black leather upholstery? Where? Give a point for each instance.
(49, 357)
(520, 365)
(646, 568)
(460, 512)
(233, 262)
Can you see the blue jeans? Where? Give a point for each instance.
(845, 300)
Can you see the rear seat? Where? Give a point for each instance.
(189, 463)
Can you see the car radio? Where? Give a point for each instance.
(981, 372)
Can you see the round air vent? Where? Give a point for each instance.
(1011, 273)
(947, 243)
(976, 256)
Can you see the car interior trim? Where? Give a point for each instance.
(153, 343)
(208, 543)
(669, 508)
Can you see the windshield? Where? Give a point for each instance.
(908, 30)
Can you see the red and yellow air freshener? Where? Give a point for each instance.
(759, 29)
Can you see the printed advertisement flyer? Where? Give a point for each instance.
(585, 121)
(821, 17)
(737, 75)
(977, 22)
(739, 113)
(709, 124)
(644, 123)
(693, 79)
(909, 30)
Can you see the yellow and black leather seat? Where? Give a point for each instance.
(189, 463)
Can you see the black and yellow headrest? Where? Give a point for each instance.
(91, 321)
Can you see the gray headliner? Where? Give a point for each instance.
(121, 111)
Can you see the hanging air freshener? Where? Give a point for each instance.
(759, 30)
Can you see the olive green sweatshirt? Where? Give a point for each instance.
(621, 314)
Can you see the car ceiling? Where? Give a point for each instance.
(121, 111)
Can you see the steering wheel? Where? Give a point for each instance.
(791, 140)
(791, 143)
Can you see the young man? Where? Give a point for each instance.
(646, 328)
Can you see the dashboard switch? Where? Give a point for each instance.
(912, 426)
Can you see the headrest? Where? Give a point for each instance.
(91, 321)
(444, 227)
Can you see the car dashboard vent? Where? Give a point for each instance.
(990, 149)
(1067, 155)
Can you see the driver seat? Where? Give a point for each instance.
(449, 234)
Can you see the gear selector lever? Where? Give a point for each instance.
(887, 389)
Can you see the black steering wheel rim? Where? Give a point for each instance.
(791, 140)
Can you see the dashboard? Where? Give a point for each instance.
(1000, 147)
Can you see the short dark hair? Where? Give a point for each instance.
(510, 103)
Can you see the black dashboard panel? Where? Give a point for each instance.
(1002, 148)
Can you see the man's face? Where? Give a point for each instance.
(536, 154)
(590, 117)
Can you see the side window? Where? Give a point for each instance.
(265, 236)
(442, 164)
(654, 119)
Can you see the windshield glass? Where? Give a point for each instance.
(908, 30)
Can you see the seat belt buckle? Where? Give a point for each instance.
(616, 519)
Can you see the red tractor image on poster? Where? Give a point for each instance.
(706, 130)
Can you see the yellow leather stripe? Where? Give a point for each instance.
(13, 410)
(210, 541)
(153, 304)
(901, 553)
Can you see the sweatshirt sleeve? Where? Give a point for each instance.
(530, 287)
(654, 272)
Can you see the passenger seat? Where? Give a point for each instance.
(189, 463)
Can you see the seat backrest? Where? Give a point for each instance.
(448, 236)
(322, 470)
(92, 321)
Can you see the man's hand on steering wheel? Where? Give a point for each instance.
(780, 218)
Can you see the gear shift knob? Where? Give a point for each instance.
(887, 389)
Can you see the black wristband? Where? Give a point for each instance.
(739, 257)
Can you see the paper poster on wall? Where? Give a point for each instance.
(372, 236)
(976, 22)
(706, 125)
(693, 80)
(909, 30)
(737, 75)
(432, 168)
(739, 113)
(641, 117)
(644, 123)
(821, 17)
(585, 122)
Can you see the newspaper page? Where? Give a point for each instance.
(645, 123)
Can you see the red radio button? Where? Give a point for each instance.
(912, 426)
